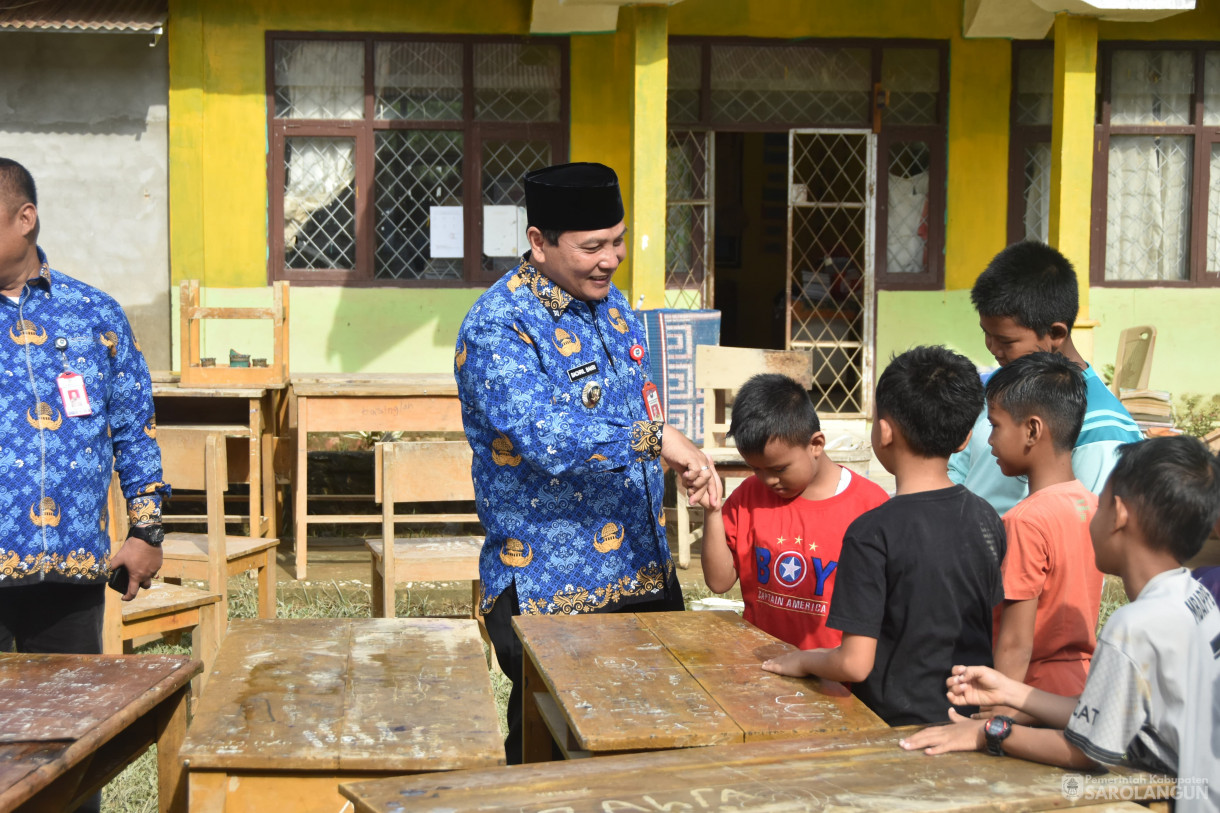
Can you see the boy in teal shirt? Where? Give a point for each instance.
(1027, 300)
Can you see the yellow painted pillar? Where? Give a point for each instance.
(649, 27)
(186, 133)
(1071, 209)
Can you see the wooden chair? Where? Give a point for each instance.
(160, 610)
(1134, 363)
(195, 458)
(417, 472)
(718, 372)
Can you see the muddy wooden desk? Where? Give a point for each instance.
(294, 707)
(247, 417)
(70, 723)
(423, 402)
(601, 684)
(859, 771)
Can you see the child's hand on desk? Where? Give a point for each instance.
(790, 664)
(962, 734)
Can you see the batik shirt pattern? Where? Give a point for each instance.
(566, 470)
(55, 468)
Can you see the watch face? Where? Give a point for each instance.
(997, 727)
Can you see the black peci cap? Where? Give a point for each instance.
(573, 197)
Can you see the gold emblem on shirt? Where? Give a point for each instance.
(596, 457)
(502, 451)
(565, 342)
(460, 358)
(522, 335)
(516, 553)
(110, 339)
(27, 333)
(617, 320)
(45, 417)
(609, 538)
(591, 395)
(150, 428)
(661, 518)
(47, 514)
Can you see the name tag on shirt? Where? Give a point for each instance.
(73, 396)
(582, 371)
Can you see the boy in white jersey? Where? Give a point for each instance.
(1150, 698)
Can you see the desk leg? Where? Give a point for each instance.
(171, 728)
(535, 737)
(300, 486)
(269, 487)
(254, 450)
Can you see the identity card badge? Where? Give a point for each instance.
(72, 394)
(653, 402)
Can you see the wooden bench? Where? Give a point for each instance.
(862, 770)
(164, 609)
(422, 472)
(296, 706)
(196, 458)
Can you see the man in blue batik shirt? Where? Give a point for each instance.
(553, 377)
(75, 404)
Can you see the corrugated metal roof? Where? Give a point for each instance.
(82, 15)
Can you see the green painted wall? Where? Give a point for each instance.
(1184, 319)
(350, 330)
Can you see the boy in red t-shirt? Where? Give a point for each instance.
(781, 531)
(1046, 627)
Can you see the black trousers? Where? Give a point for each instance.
(52, 617)
(509, 653)
(55, 618)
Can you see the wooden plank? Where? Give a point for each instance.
(276, 694)
(113, 697)
(717, 638)
(33, 688)
(173, 389)
(620, 689)
(864, 771)
(425, 559)
(769, 706)
(329, 695)
(231, 313)
(164, 598)
(185, 547)
(420, 698)
(352, 413)
(366, 384)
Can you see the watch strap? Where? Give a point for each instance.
(151, 534)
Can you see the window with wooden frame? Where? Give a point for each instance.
(398, 160)
(1156, 178)
(751, 85)
(1029, 145)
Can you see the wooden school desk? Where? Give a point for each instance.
(602, 684)
(70, 723)
(247, 417)
(863, 770)
(410, 402)
(294, 707)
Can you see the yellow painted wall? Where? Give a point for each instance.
(218, 113)
(790, 19)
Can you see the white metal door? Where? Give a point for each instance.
(831, 222)
(689, 214)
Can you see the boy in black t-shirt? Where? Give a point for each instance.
(919, 575)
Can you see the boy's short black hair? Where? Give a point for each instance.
(16, 185)
(933, 395)
(1172, 490)
(1031, 283)
(1046, 385)
(772, 406)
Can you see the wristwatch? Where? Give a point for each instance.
(151, 534)
(996, 730)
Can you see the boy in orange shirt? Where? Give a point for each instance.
(1046, 628)
(782, 530)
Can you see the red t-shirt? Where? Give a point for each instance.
(786, 553)
(1050, 558)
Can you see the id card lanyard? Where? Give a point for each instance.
(72, 393)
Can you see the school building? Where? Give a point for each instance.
(828, 175)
